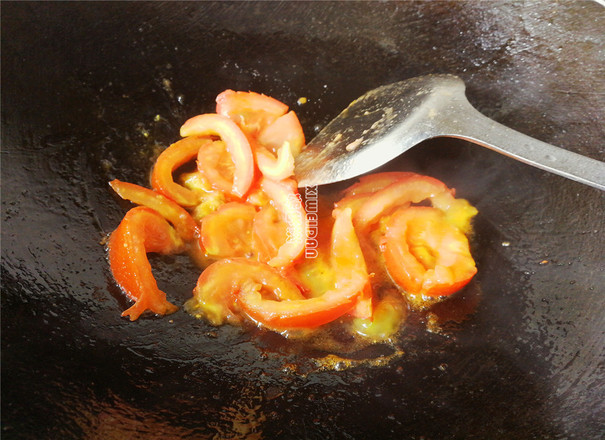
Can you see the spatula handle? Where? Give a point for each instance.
(469, 124)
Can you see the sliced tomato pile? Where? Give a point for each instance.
(227, 191)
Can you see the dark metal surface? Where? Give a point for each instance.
(92, 91)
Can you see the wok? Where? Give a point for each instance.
(92, 91)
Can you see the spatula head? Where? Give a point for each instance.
(374, 129)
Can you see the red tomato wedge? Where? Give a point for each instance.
(169, 160)
(425, 254)
(371, 183)
(278, 144)
(312, 312)
(235, 141)
(179, 217)
(142, 230)
(412, 188)
(227, 232)
(251, 111)
(286, 200)
(346, 256)
(353, 202)
(284, 130)
(218, 288)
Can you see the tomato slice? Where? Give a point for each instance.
(346, 257)
(236, 144)
(285, 198)
(412, 188)
(168, 161)
(285, 130)
(141, 230)
(218, 288)
(251, 111)
(179, 217)
(353, 202)
(370, 183)
(425, 254)
(278, 145)
(227, 232)
(351, 280)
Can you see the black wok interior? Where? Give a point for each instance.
(92, 91)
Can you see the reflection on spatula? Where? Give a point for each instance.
(391, 119)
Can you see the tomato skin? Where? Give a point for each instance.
(412, 188)
(179, 217)
(272, 167)
(168, 161)
(303, 313)
(220, 284)
(236, 143)
(346, 256)
(351, 280)
(251, 111)
(141, 230)
(425, 254)
(285, 198)
(278, 144)
(371, 183)
(227, 232)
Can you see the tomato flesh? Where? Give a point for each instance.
(215, 164)
(425, 254)
(227, 232)
(269, 233)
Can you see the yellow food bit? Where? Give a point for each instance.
(214, 313)
(388, 315)
(459, 213)
(302, 100)
(195, 182)
(210, 200)
(317, 275)
(208, 205)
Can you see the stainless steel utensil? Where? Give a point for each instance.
(389, 120)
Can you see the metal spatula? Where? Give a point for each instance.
(385, 122)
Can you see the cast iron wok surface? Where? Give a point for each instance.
(93, 91)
